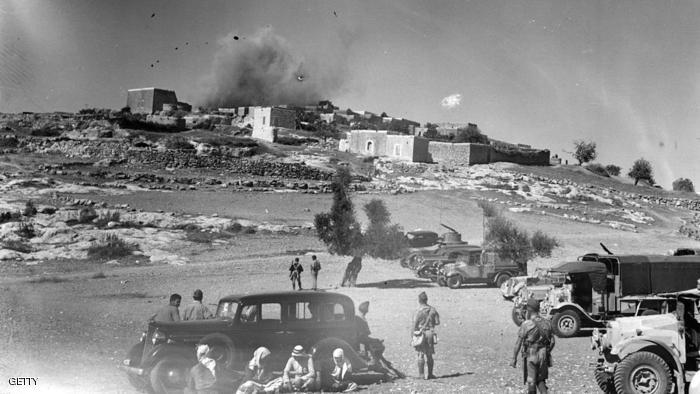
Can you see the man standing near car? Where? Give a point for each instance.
(170, 312)
(197, 311)
(537, 341)
(424, 323)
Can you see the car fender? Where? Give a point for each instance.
(635, 344)
(575, 307)
(169, 350)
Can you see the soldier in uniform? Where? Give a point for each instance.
(424, 323)
(537, 341)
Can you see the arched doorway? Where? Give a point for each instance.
(370, 147)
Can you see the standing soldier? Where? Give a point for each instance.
(537, 341)
(315, 267)
(423, 334)
(295, 271)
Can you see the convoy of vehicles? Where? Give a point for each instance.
(651, 353)
(163, 357)
(595, 287)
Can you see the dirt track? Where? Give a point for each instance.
(72, 334)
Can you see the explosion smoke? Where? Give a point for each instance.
(264, 70)
(451, 101)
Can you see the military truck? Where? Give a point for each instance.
(651, 353)
(595, 287)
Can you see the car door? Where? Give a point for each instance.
(302, 323)
(262, 325)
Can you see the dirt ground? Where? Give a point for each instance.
(72, 331)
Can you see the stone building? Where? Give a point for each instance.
(150, 100)
(267, 119)
(381, 143)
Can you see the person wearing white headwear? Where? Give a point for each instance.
(340, 376)
(299, 373)
(203, 376)
(258, 378)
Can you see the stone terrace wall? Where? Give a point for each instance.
(526, 157)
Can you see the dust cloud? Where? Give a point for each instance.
(263, 69)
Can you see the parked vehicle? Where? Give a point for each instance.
(449, 246)
(422, 238)
(513, 287)
(595, 286)
(650, 353)
(477, 267)
(278, 321)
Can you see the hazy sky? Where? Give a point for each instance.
(624, 74)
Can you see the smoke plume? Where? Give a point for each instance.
(264, 70)
(451, 101)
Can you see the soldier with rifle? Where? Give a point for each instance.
(537, 341)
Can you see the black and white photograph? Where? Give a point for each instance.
(373, 196)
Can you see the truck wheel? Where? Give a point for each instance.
(518, 315)
(169, 375)
(501, 279)
(442, 281)
(454, 282)
(425, 272)
(605, 381)
(643, 373)
(566, 324)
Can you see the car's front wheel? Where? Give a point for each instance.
(169, 375)
(566, 324)
(454, 282)
(643, 373)
(501, 279)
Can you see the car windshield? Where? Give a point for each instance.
(227, 309)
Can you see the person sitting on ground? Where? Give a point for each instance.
(258, 377)
(171, 312)
(299, 373)
(205, 376)
(340, 376)
(197, 311)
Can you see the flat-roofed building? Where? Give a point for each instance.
(149, 100)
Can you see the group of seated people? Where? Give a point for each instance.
(301, 373)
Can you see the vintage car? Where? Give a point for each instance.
(596, 287)
(448, 246)
(477, 267)
(650, 353)
(279, 321)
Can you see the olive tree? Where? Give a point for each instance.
(683, 185)
(584, 151)
(641, 169)
(343, 235)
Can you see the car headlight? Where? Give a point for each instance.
(158, 336)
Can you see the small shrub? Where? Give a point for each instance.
(25, 230)
(489, 209)
(87, 215)
(99, 275)
(369, 159)
(683, 185)
(29, 209)
(235, 227)
(200, 237)
(179, 143)
(46, 131)
(525, 188)
(44, 279)
(249, 230)
(17, 246)
(597, 169)
(543, 244)
(613, 170)
(111, 247)
(106, 218)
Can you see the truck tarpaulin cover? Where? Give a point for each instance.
(658, 274)
(595, 270)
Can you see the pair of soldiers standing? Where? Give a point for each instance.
(296, 269)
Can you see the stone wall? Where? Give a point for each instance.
(467, 154)
(458, 153)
